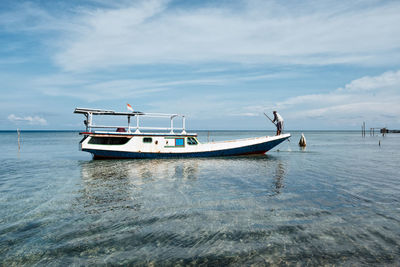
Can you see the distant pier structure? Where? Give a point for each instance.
(385, 130)
(377, 130)
(382, 131)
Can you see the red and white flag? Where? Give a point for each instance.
(129, 107)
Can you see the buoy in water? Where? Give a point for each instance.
(302, 142)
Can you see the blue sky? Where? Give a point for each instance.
(321, 64)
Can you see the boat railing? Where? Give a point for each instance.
(90, 124)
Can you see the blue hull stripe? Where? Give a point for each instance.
(253, 149)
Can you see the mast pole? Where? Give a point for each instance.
(90, 117)
(129, 124)
(137, 124)
(183, 124)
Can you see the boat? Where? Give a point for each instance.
(134, 141)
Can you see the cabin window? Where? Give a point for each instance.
(191, 141)
(147, 140)
(179, 142)
(94, 140)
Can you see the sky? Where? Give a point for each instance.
(323, 65)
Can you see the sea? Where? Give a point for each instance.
(336, 202)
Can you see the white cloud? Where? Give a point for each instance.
(374, 99)
(27, 17)
(390, 79)
(259, 32)
(128, 33)
(35, 120)
(92, 90)
(95, 87)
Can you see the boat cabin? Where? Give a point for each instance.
(114, 135)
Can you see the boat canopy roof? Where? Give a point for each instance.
(105, 112)
(91, 111)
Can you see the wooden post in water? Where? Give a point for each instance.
(363, 129)
(19, 137)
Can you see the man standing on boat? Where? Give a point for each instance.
(279, 122)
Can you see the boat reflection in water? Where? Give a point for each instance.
(126, 183)
(163, 210)
(111, 184)
(140, 171)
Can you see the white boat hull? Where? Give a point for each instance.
(164, 146)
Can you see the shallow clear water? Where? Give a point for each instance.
(336, 202)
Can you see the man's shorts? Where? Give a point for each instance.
(279, 125)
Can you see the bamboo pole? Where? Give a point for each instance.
(19, 137)
(363, 129)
